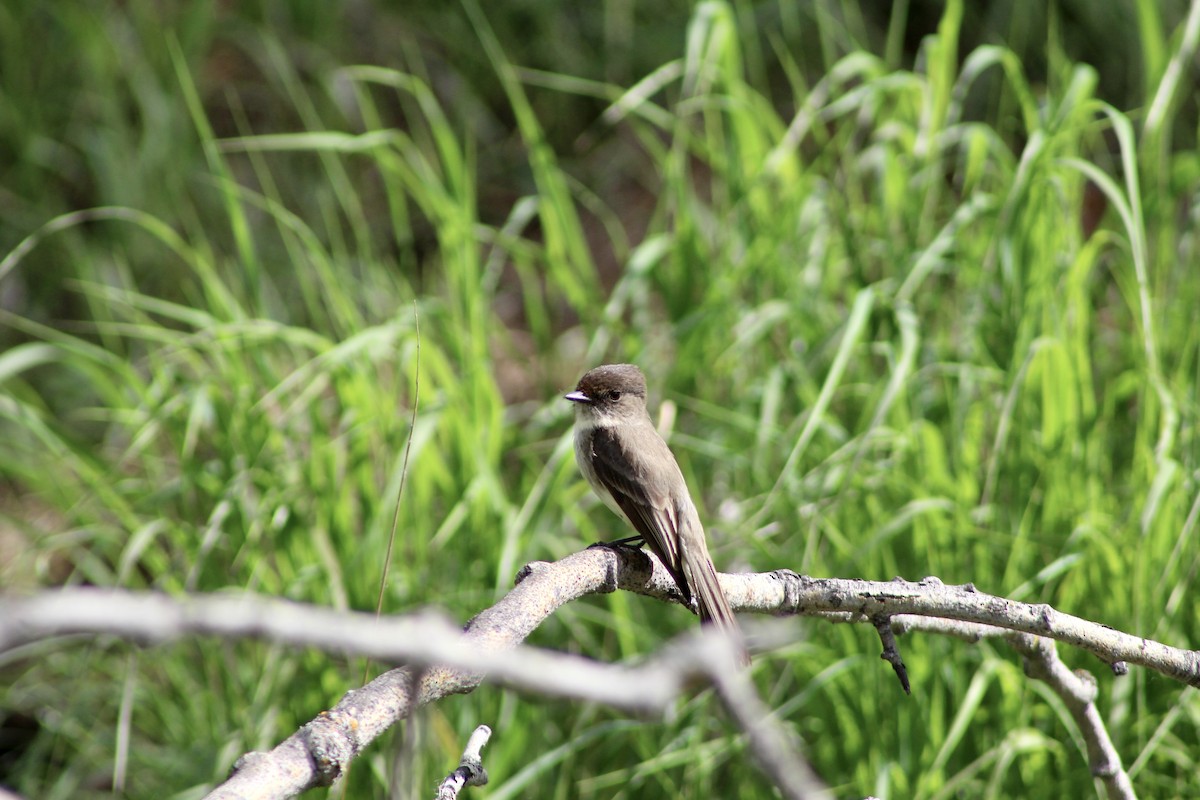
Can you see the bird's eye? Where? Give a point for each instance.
(614, 395)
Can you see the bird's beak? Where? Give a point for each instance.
(578, 397)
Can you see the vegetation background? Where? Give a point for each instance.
(919, 279)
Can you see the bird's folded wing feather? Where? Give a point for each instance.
(645, 498)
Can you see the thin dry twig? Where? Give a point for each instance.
(891, 650)
(470, 770)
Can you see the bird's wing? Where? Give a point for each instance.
(645, 498)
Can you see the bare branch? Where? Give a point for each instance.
(542, 588)
(864, 600)
(1078, 692)
(777, 751)
(456, 663)
(470, 770)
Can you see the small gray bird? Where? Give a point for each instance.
(633, 471)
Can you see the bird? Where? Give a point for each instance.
(632, 470)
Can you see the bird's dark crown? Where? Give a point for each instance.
(609, 382)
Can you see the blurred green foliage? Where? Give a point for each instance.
(917, 277)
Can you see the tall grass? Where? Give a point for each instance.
(896, 341)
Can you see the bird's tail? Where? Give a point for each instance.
(714, 607)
